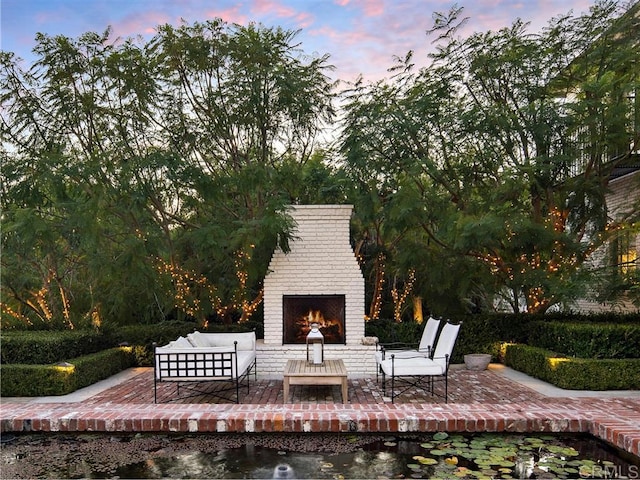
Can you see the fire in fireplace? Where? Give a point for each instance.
(300, 311)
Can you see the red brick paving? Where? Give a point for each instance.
(478, 401)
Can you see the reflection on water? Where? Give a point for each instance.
(330, 456)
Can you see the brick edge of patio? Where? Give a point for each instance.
(601, 422)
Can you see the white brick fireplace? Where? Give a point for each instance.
(320, 265)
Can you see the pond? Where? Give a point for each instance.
(330, 456)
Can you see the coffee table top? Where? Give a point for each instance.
(302, 368)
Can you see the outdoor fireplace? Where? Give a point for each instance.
(300, 311)
(318, 279)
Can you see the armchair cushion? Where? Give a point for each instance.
(412, 366)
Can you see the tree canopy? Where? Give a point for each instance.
(145, 181)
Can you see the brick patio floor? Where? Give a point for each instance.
(478, 401)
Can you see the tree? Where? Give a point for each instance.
(480, 147)
(147, 174)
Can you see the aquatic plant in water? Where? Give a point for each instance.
(329, 456)
(489, 456)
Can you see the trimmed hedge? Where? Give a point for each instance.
(588, 340)
(44, 347)
(42, 380)
(574, 373)
(614, 335)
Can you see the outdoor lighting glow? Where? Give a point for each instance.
(399, 299)
(555, 362)
(376, 303)
(65, 367)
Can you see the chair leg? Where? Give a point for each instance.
(384, 382)
(393, 385)
(446, 387)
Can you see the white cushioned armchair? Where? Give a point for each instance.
(416, 370)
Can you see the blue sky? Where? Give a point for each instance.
(361, 36)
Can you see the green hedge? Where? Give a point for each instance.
(574, 373)
(19, 380)
(587, 340)
(616, 336)
(44, 347)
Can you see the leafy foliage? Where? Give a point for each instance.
(141, 182)
(489, 155)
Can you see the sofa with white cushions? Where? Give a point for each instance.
(205, 357)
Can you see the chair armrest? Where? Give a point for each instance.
(397, 346)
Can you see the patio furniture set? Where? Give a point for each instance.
(230, 358)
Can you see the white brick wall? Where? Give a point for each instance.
(320, 262)
(623, 193)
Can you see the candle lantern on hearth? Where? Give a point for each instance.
(315, 346)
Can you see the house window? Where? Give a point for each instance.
(626, 256)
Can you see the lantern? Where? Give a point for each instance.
(315, 346)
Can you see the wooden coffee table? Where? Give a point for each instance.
(301, 372)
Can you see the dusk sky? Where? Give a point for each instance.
(361, 36)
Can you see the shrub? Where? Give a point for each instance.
(574, 373)
(41, 380)
(587, 340)
(44, 347)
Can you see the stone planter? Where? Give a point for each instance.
(477, 361)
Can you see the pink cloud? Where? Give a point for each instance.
(229, 15)
(302, 19)
(370, 8)
(143, 23)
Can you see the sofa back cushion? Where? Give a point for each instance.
(197, 339)
(246, 340)
(181, 342)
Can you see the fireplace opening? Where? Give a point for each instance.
(300, 311)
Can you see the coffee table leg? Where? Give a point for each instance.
(345, 398)
(286, 389)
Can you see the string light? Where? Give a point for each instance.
(189, 284)
(376, 303)
(400, 298)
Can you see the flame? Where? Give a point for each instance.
(332, 328)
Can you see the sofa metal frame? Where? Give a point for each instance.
(193, 369)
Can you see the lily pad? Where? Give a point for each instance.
(438, 453)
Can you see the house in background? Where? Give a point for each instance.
(617, 263)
